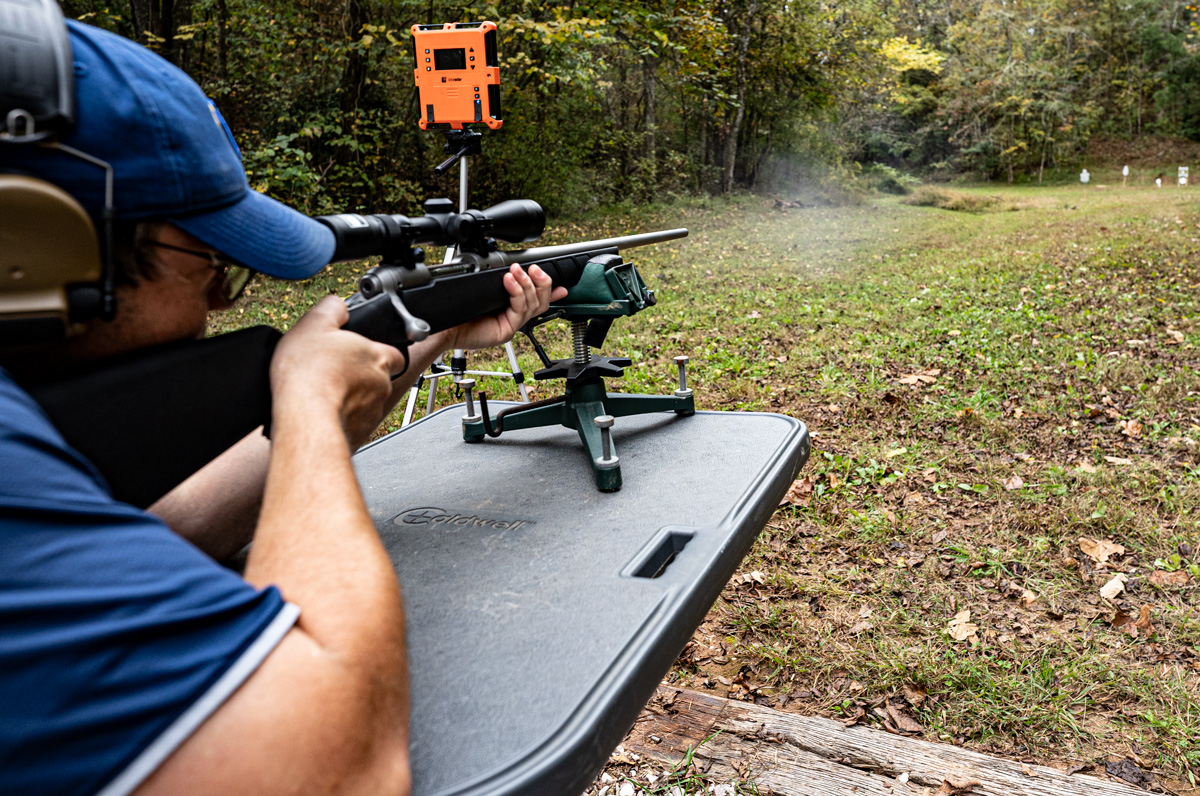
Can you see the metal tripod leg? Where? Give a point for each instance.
(411, 405)
(515, 370)
(436, 371)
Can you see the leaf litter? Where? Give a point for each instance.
(922, 510)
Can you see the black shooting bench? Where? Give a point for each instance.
(542, 613)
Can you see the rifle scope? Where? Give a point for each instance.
(393, 236)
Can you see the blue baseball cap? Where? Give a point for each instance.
(173, 157)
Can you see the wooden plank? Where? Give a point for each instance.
(793, 755)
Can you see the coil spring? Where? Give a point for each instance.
(583, 354)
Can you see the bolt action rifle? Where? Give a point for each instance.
(151, 419)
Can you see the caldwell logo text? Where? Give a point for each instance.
(432, 516)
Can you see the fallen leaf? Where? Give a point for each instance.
(960, 627)
(1077, 768)
(892, 454)
(855, 717)
(1013, 483)
(905, 724)
(1028, 598)
(861, 627)
(1110, 590)
(1129, 771)
(1143, 623)
(1130, 428)
(1160, 578)
(1100, 550)
(951, 787)
(1176, 336)
(921, 377)
(799, 493)
(1086, 467)
(1117, 460)
(914, 694)
(1027, 771)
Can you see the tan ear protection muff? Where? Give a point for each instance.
(55, 271)
(49, 257)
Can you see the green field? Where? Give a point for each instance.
(984, 390)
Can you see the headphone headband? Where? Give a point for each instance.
(37, 99)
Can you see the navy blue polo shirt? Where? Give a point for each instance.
(117, 637)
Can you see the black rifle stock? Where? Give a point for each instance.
(151, 419)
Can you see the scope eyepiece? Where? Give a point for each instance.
(359, 237)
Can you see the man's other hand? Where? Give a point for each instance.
(530, 294)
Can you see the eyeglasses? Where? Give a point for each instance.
(234, 276)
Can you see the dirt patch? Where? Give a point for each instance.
(960, 201)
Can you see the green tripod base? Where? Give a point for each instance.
(587, 408)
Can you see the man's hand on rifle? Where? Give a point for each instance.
(320, 366)
(530, 295)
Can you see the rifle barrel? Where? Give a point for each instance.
(502, 259)
(625, 242)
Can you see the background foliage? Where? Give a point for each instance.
(612, 102)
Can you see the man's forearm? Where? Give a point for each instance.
(217, 508)
(315, 538)
(328, 710)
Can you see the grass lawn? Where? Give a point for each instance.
(985, 390)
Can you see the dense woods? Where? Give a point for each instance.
(606, 101)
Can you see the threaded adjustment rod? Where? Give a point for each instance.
(583, 354)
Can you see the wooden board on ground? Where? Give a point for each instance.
(793, 755)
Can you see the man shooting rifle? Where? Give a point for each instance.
(130, 661)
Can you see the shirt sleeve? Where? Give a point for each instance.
(112, 627)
